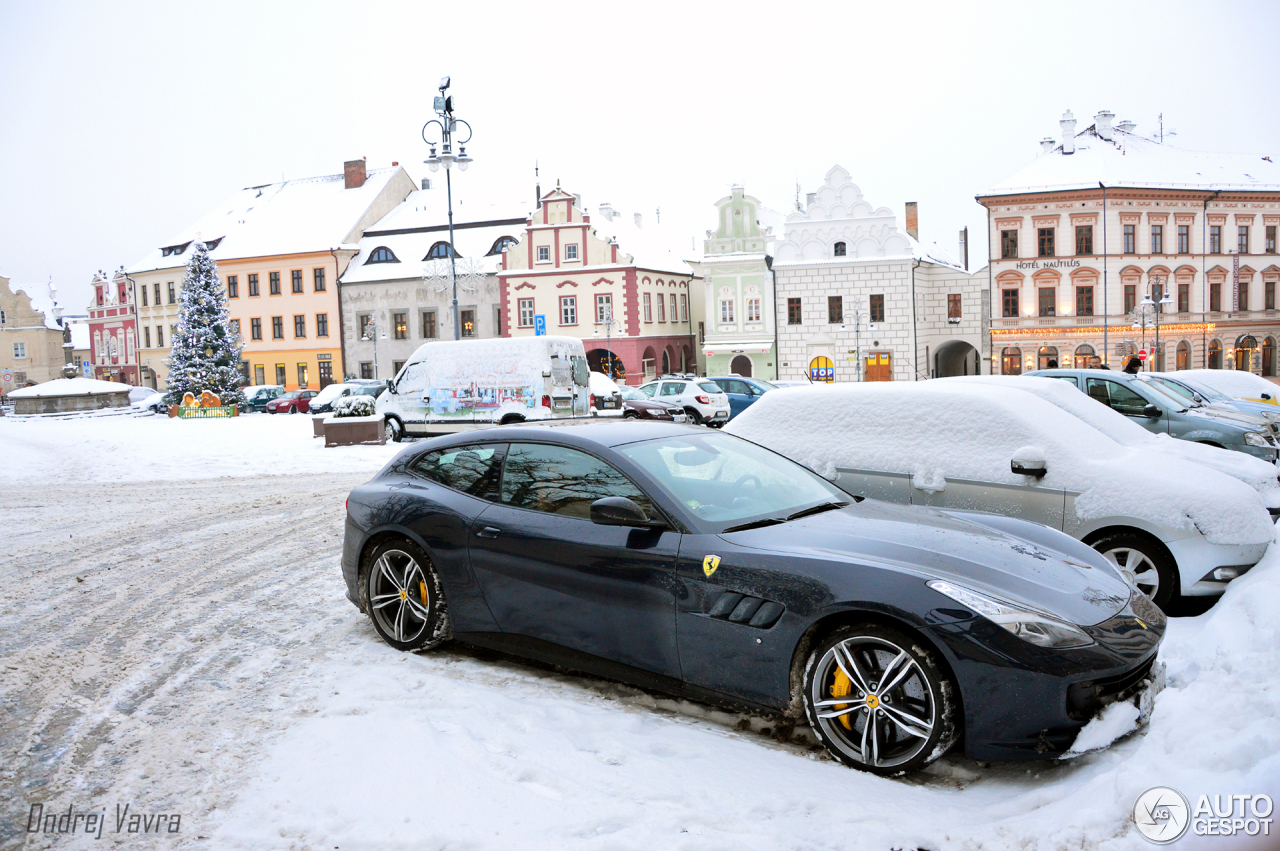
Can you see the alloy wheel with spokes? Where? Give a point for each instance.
(878, 700)
(1142, 563)
(401, 593)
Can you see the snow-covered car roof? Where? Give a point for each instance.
(936, 429)
(1236, 383)
(602, 384)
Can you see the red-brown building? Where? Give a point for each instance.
(113, 330)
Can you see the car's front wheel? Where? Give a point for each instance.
(1146, 565)
(393, 430)
(401, 592)
(879, 701)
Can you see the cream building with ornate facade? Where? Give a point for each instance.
(31, 339)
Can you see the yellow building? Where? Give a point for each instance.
(280, 249)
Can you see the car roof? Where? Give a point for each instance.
(585, 433)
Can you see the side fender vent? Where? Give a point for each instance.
(752, 611)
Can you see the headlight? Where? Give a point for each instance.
(1255, 438)
(1036, 627)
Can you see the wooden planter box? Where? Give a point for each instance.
(317, 425)
(353, 431)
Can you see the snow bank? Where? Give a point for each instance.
(972, 431)
(150, 448)
(1236, 383)
(69, 387)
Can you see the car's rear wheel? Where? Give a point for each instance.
(1146, 565)
(879, 701)
(393, 430)
(694, 416)
(401, 591)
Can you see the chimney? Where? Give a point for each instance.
(426, 183)
(809, 199)
(1126, 126)
(638, 221)
(1068, 125)
(1102, 123)
(606, 210)
(964, 248)
(913, 225)
(1047, 144)
(353, 174)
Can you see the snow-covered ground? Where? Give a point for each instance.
(180, 642)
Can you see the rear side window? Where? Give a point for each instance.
(1116, 396)
(473, 470)
(675, 388)
(559, 480)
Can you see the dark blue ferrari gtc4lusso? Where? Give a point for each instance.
(701, 565)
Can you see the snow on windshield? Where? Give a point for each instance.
(942, 429)
(1236, 383)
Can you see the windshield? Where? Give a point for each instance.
(1211, 394)
(766, 385)
(1163, 395)
(631, 393)
(726, 480)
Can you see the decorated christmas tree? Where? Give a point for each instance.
(206, 354)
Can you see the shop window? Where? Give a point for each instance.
(1183, 356)
(1011, 361)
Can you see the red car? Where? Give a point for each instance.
(293, 402)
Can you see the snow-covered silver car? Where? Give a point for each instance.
(1169, 525)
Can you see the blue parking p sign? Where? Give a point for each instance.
(540, 325)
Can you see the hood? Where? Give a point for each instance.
(1249, 422)
(943, 546)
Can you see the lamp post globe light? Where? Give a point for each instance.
(447, 125)
(855, 318)
(1152, 305)
(371, 333)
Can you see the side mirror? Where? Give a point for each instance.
(1029, 463)
(1267, 396)
(1151, 411)
(617, 511)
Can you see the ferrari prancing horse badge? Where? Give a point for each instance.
(709, 564)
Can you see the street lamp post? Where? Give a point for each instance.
(857, 334)
(448, 125)
(1154, 304)
(371, 333)
(605, 318)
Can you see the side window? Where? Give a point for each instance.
(1114, 394)
(730, 386)
(649, 390)
(413, 379)
(1070, 379)
(672, 388)
(564, 481)
(471, 469)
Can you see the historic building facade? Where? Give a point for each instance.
(859, 299)
(737, 312)
(31, 338)
(621, 286)
(1105, 220)
(113, 330)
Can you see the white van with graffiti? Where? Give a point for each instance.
(460, 385)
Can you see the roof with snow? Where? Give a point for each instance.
(1128, 160)
(79, 333)
(290, 217)
(652, 245)
(42, 299)
(70, 387)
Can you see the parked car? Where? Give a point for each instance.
(324, 400)
(606, 395)
(703, 400)
(147, 399)
(1237, 383)
(637, 406)
(1199, 393)
(293, 402)
(1157, 410)
(257, 396)
(742, 391)
(1173, 527)
(698, 564)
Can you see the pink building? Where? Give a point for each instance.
(621, 286)
(113, 330)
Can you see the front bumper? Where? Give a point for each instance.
(1197, 558)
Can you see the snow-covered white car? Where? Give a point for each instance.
(606, 397)
(703, 400)
(1170, 525)
(146, 398)
(1236, 383)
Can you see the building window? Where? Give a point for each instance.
(468, 318)
(568, 310)
(673, 307)
(1157, 239)
(1243, 304)
(255, 331)
(366, 369)
(317, 278)
(835, 309)
(953, 305)
(322, 325)
(277, 327)
(280, 374)
(234, 324)
(1269, 295)
(156, 290)
(302, 376)
(440, 251)
(571, 251)
(793, 311)
(1130, 297)
(299, 326)
(500, 245)
(1184, 298)
(1242, 239)
(428, 323)
(173, 297)
(144, 296)
(1215, 298)
(1215, 354)
(160, 335)
(1046, 242)
(1084, 239)
(684, 308)
(1184, 239)
(877, 308)
(1130, 239)
(146, 336)
(19, 350)
(1271, 239)
(544, 254)
(295, 280)
(839, 250)
(253, 286)
(1008, 243)
(662, 307)
(1084, 301)
(526, 312)
(400, 325)
(726, 311)
(1215, 239)
(1011, 361)
(753, 310)
(646, 302)
(382, 254)
(233, 289)
(1009, 302)
(1047, 299)
(273, 283)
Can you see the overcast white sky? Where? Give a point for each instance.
(120, 123)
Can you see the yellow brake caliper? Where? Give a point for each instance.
(842, 686)
(422, 592)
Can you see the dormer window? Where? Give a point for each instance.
(839, 250)
(501, 245)
(212, 244)
(440, 251)
(171, 250)
(382, 254)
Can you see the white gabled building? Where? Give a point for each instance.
(857, 298)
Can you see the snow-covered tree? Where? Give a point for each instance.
(206, 355)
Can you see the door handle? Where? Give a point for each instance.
(489, 532)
